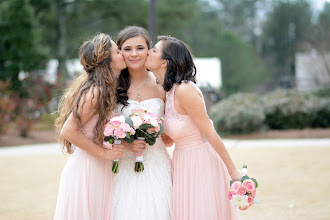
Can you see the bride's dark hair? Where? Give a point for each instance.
(124, 80)
(180, 65)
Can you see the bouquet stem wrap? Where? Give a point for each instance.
(139, 167)
(115, 162)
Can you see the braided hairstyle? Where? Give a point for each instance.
(124, 81)
(99, 79)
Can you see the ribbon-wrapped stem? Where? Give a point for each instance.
(139, 167)
(115, 162)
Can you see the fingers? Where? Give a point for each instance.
(139, 142)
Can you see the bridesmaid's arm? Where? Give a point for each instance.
(72, 132)
(167, 140)
(190, 102)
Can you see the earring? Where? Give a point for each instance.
(157, 81)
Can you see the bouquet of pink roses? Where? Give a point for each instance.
(242, 193)
(116, 130)
(148, 127)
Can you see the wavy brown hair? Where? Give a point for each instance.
(98, 78)
(124, 81)
(180, 65)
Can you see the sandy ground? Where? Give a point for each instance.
(293, 183)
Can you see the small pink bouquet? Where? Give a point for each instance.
(242, 193)
(116, 130)
(148, 127)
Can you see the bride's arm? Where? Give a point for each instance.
(137, 146)
(190, 101)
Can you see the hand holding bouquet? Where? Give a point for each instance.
(116, 130)
(148, 127)
(242, 193)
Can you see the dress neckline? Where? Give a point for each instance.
(132, 100)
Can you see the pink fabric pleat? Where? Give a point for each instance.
(86, 186)
(200, 178)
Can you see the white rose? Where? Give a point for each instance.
(154, 122)
(147, 117)
(121, 119)
(136, 121)
(245, 170)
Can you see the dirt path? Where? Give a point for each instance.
(288, 177)
(45, 136)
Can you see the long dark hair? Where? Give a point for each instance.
(180, 66)
(124, 80)
(95, 57)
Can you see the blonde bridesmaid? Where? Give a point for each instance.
(201, 165)
(86, 184)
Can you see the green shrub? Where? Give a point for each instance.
(240, 113)
(322, 114)
(290, 109)
(323, 92)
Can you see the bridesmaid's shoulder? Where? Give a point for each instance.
(186, 90)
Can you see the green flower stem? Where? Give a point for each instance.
(115, 166)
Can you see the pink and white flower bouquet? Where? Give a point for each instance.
(148, 127)
(242, 193)
(116, 130)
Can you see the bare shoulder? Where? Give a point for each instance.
(91, 96)
(186, 91)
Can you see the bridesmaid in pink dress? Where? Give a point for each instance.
(86, 184)
(201, 165)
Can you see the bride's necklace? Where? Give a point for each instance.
(139, 89)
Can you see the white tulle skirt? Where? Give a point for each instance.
(146, 195)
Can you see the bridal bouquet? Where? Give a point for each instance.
(117, 129)
(147, 127)
(242, 193)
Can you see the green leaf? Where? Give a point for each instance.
(255, 182)
(245, 178)
(129, 121)
(129, 139)
(145, 126)
(161, 130)
(231, 182)
(245, 166)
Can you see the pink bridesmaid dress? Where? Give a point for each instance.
(200, 178)
(86, 185)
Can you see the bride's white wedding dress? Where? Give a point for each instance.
(146, 195)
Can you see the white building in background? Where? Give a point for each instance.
(312, 70)
(208, 71)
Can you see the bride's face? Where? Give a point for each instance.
(155, 62)
(135, 51)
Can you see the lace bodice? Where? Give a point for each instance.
(179, 127)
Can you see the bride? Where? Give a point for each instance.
(145, 195)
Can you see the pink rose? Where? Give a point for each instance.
(108, 130)
(254, 192)
(241, 191)
(236, 185)
(115, 123)
(250, 200)
(249, 185)
(132, 131)
(120, 133)
(243, 208)
(230, 194)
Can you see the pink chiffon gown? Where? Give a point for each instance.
(86, 185)
(200, 178)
